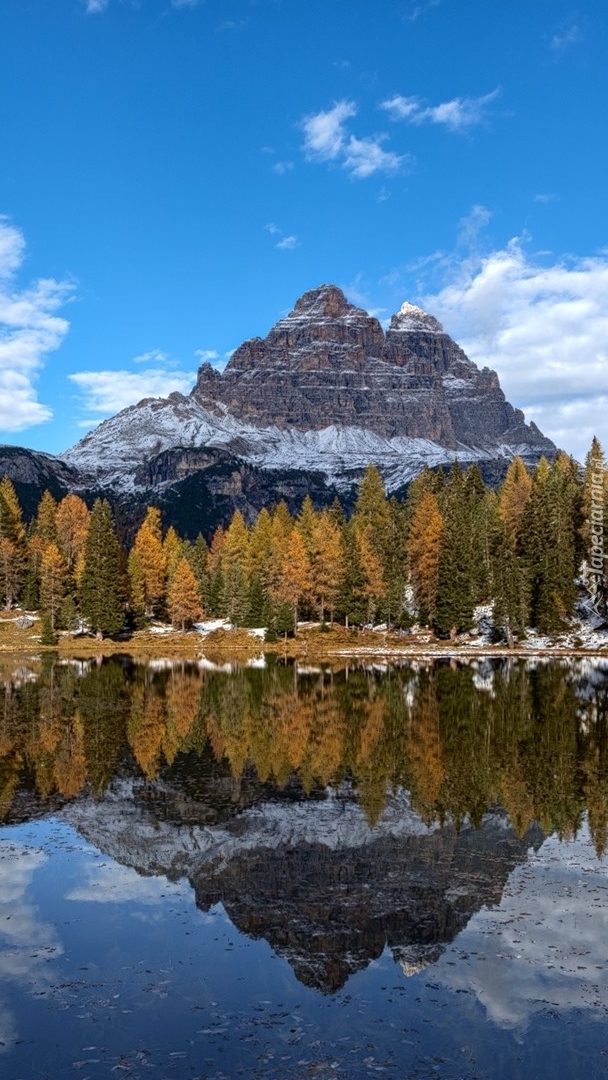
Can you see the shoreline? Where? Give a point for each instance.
(310, 645)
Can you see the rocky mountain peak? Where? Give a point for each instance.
(329, 364)
(325, 302)
(409, 317)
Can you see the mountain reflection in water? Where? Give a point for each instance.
(349, 818)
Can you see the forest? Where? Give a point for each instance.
(531, 549)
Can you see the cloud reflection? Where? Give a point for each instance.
(26, 943)
(545, 946)
(110, 883)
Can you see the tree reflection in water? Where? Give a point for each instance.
(461, 738)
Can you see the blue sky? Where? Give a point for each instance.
(173, 175)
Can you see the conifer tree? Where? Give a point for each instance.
(510, 584)
(477, 520)
(230, 587)
(235, 547)
(137, 592)
(337, 513)
(394, 562)
(352, 601)
(215, 549)
(548, 544)
(47, 633)
(11, 516)
(45, 522)
(148, 547)
(375, 585)
(259, 608)
(293, 581)
(454, 606)
(513, 499)
(235, 592)
(594, 526)
(182, 597)
(260, 566)
(53, 574)
(72, 520)
(424, 545)
(101, 591)
(197, 555)
(306, 523)
(172, 550)
(216, 576)
(12, 569)
(327, 567)
(371, 507)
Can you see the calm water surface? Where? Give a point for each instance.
(267, 872)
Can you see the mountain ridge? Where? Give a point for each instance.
(327, 391)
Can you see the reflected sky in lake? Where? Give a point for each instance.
(418, 894)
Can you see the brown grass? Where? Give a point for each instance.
(312, 643)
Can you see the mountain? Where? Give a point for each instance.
(325, 889)
(325, 393)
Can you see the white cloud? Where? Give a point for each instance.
(472, 224)
(326, 139)
(285, 242)
(364, 157)
(543, 328)
(324, 132)
(95, 7)
(29, 329)
(107, 392)
(153, 356)
(207, 356)
(288, 243)
(282, 167)
(572, 35)
(459, 114)
(420, 9)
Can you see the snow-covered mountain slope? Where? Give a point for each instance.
(116, 454)
(326, 391)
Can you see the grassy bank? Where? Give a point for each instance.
(311, 643)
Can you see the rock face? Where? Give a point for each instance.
(308, 407)
(32, 472)
(330, 363)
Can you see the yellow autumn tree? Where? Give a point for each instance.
(72, 521)
(12, 565)
(514, 497)
(424, 545)
(328, 563)
(151, 561)
(182, 598)
(293, 581)
(375, 586)
(53, 573)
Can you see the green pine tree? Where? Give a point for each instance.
(101, 585)
(454, 606)
(351, 604)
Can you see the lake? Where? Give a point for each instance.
(271, 871)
